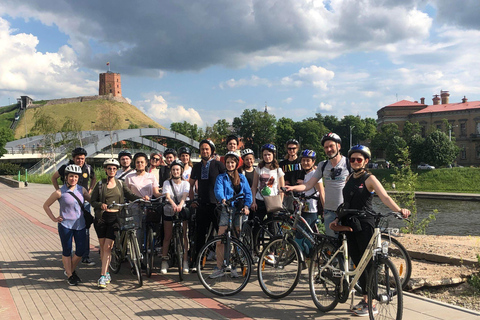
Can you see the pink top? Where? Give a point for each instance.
(141, 185)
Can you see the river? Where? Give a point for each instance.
(454, 217)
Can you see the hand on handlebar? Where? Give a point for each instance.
(146, 198)
(405, 213)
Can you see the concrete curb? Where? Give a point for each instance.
(442, 259)
(12, 183)
(412, 295)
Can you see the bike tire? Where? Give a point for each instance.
(178, 240)
(400, 258)
(235, 274)
(116, 256)
(246, 237)
(279, 268)
(136, 258)
(150, 252)
(385, 288)
(322, 288)
(274, 227)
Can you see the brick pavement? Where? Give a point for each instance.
(32, 284)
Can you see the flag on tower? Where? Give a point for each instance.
(108, 63)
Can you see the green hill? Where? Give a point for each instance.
(90, 115)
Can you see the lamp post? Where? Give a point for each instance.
(351, 127)
(450, 131)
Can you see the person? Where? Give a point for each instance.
(247, 168)
(184, 153)
(334, 172)
(310, 210)
(88, 175)
(358, 194)
(125, 159)
(176, 191)
(164, 171)
(153, 167)
(227, 185)
(232, 143)
(205, 172)
(106, 192)
(71, 221)
(292, 169)
(267, 180)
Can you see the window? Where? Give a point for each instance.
(110, 90)
(439, 127)
(463, 129)
(463, 153)
(477, 151)
(477, 126)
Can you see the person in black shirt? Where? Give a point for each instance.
(292, 168)
(205, 173)
(164, 171)
(247, 167)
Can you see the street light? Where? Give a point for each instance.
(450, 131)
(351, 127)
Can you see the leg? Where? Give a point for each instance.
(220, 247)
(329, 216)
(80, 237)
(66, 236)
(106, 254)
(167, 229)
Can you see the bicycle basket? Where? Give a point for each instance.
(154, 213)
(131, 219)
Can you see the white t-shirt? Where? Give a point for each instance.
(334, 179)
(310, 204)
(187, 173)
(180, 189)
(141, 185)
(267, 182)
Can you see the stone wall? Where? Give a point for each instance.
(85, 99)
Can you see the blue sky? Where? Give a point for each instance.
(209, 60)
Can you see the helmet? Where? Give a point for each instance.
(73, 168)
(170, 151)
(209, 142)
(112, 162)
(139, 155)
(308, 154)
(292, 141)
(245, 152)
(232, 154)
(361, 149)
(177, 163)
(231, 137)
(124, 153)
(331, 136)
(269, 147)
(183, 150)
(78, 151)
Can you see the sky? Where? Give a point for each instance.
(201, 61)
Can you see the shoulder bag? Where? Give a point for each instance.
(86, 214)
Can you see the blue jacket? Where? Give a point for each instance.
(224, 188)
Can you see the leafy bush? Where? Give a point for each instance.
(9, 168)
(474, 280)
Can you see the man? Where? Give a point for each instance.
(125, 159)
(232, 142)
(88, 174)
(292, 169)
(205, 173)
(334, 172)
(164, 171)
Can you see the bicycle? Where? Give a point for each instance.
(177, 248)
(235, 261)
(331, 281)
(398, 255)
(125, 246)
(153, 222)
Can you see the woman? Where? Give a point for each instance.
(71, 221)
(176, 191)
(267, 180)
(227, 185)
(106, 192)
(358, 194)
(247, 168)
(155, 160)
(184, 154)
(142, 183)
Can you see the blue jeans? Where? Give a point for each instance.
(66, 236)
(329, 216)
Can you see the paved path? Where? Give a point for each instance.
(32, 284)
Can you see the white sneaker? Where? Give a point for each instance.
(164, 268)
(270, 258)
(186, 269)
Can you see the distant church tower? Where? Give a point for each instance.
(110, 83)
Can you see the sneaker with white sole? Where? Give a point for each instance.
(217, 273)
(359, 306)
(363, 312)
(270, 258)
(164, 268)
(234, 273)
(108, 277)
(102, 282)
(186, 268)
(88, 262)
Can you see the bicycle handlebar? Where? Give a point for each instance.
(232, 199)
(128, 203)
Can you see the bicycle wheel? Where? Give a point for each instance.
(322, 286)
(246, 236)
(116, 258)
(135, 258)
(279, 268)
(385, 295)
(150, 251)
(400, 258)
(178, 241)
(272, 227)
(229, 275)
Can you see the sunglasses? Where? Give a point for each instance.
(156, 159)
(334, 172)
(292, 148)
(359, 160)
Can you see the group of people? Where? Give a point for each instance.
(336, 181)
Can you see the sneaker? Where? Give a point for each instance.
(211, 256)
(217, 273)
(234, 273)
(186, 268)
(164, 267)
(102, 282)
(363, 312)
(74, 274)
(359, 306)
(72, 281)
(88, 262)
(108, 277)
(270, 258)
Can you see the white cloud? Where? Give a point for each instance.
(313, 75)
(325, 106)
(240, 101)
(156, 107)
(253, 81)
(288, 100)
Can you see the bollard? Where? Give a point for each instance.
(26, 177)
(18, 175)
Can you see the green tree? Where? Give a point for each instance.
(285, 131)
(439, 150)
(70, 131)
(187, 129)
(6, 135)
(383, 138)
(394, 147)
(47, 126)
(310, 133)
(410, 130)
(108, 121)
(331, 122)
(417, 152)
(220, 131)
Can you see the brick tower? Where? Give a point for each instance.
(110, 83)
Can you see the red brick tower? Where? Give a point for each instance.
(110, 83)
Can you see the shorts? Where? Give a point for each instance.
(107, 226)
(66, 237)
(237, 218)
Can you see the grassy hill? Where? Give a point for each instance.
(86, 112)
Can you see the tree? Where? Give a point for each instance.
(187, 129)
(417, 152)
(220, 131)
(285, 131)
(331, 122)
(383, 137)
(310, 133)
(71, 131)
(47, 126)
(439, 150)
(394, 147)
(6, 135)
(410, 130)
(108, 121)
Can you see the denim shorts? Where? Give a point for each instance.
(237, 218)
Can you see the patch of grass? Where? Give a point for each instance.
(47, 178)
(7, 118)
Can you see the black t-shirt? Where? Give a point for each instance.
(249, 176)
(87, 174)
(206, 192)
(163, 175)
(293, 171)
